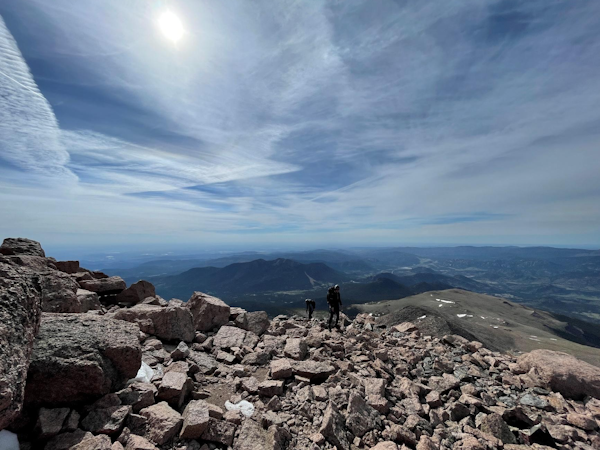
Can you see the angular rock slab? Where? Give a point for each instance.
(313, 370)
(139, 443)
(361, 417)
(195, 419)
(59, 293)
(78, 357)
(102, 286)
(209, 312)
(281, 368)
(106, 420)
(68, 266)
(334, 429)
(228, 337)
(50, 421)
(163, 422)
(219, 431)
(171, 323)
(20, 314)
(174, 388)
(137, 292)
(100, 442)
(257, 321)
(254, 437)
(89, 300)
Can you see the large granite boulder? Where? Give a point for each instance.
(562, 373)
(174, 322)
(137, 292)
(78, 357)
(21, 246)
(257, 321)
(20, 314)
(209, 312)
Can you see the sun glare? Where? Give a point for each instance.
(171, 26)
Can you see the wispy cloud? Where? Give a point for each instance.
(383, 121)
(29, 133)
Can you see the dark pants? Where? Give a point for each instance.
(310, 308)
(334, 310)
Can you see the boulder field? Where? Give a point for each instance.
(88, 364)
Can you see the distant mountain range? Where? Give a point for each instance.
(284, 281)
(565, 281)
(249, 278)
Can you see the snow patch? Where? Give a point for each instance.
(443, 301)
(244, 406)
(144, 375)
(422, 317)
(461, 315)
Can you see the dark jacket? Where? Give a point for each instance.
(334, 298)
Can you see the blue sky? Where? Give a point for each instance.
(292, 122)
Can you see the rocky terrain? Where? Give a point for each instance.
(88, 363)
(497, 323)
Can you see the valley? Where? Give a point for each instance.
(562, 281)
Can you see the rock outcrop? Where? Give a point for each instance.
(21, 246)
(20, 313)
(79, 357)
(354, 389)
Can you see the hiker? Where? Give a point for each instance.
(334, 300)
(310, 307)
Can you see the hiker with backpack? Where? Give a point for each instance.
(334, 300)
(310, 307)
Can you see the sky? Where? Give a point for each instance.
(321, 123)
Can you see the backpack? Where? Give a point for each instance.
(331, 295)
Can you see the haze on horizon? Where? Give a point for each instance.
(294, 123)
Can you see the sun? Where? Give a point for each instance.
(171, 26)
